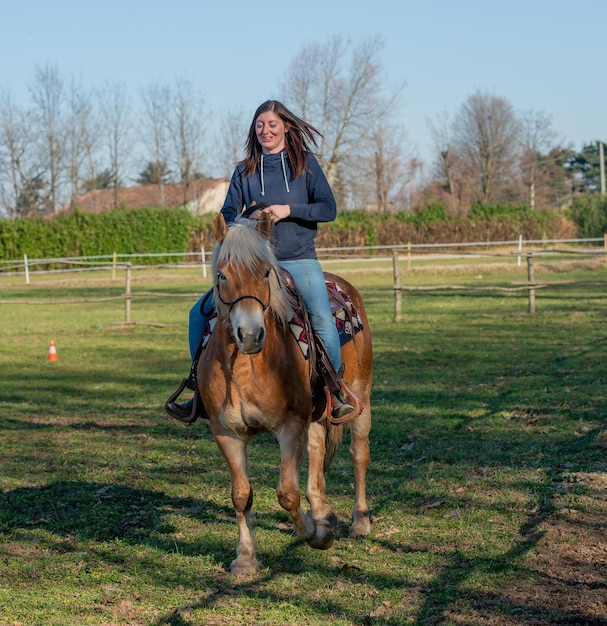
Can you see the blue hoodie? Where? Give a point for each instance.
(309, 196)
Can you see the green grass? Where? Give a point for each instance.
(488, 434)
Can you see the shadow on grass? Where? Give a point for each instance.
(478, 400)
(436, 608)
(447, 597)
(105, 512)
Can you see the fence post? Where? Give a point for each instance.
(409, 256)
(520, 247)
(127, 294)
(204, 263)
(114, 266)
(531, 280)
(27, 270)
(397, 289)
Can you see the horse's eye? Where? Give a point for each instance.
(267, 274)
(221, 276)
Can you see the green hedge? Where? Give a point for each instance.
(154, 230)
(90, 234)
(431, 224)
(589, 211)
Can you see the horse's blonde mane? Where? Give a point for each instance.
(245, 247)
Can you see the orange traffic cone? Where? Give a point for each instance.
(52, 352)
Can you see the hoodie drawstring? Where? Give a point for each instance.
(284, 171)
(284, 174)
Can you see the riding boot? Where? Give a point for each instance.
(341, 406)
(343, 402)
(187, 412)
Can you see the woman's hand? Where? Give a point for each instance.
(278, 212)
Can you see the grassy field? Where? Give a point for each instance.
(487, 487)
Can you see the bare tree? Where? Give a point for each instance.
(312, 76)
(452, 177)
(47, 92)
(441, 132)
(91, 141)
(186, 130)
(537, 137)
(81, 138)
(21, 173)
(231, 142)
(115, 115)
(383, 173)
(155, 130)
(486, 136)
(338, 86)
(383, 178)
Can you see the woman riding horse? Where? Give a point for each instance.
(281, 174)
(257, 379)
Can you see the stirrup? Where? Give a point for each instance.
(346, 393)
(196, 405)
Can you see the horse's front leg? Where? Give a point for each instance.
(234, 452)
(293, 442)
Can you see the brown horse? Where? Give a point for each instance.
(254, 378)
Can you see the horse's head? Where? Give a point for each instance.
(246, 280)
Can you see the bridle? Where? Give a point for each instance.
(232, 303)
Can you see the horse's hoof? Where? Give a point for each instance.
(323, 535)
(361, 526)
(244, 566)
(321, 543)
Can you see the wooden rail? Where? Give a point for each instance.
(530, 286)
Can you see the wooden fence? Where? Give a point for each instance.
(531, 285)
(398, 253)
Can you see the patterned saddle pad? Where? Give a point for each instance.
(345, 315)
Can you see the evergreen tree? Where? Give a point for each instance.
(155, 173)
(585, 168)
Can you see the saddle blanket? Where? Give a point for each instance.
(346, 317)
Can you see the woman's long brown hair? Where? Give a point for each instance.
(298, 139)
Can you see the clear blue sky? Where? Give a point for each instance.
(546, 55)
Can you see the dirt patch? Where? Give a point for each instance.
(571, 564)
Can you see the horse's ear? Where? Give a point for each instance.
(265, 225)
(220, 228)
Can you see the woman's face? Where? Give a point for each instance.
(270, 130)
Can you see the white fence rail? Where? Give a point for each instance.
(26, 266)
(521, 249)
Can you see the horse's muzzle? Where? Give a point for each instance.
(249, 341)
(248, 325)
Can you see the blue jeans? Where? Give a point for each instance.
(310, 282)
(198, 319)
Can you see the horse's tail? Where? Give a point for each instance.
(334, 433)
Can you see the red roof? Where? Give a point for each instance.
(203, 195)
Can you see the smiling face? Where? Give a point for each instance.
(270, 131)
